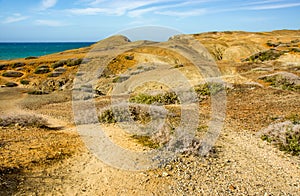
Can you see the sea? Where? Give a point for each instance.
(10, 50)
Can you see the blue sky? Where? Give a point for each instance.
(92, 20)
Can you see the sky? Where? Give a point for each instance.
(93, 20)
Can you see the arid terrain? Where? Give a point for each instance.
(248, 81)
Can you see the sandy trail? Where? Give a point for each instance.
(243, 165)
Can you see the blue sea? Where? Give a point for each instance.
(22, 50)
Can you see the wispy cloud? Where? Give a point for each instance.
(121, 7)
(46, 4)
(274, 6)
(14, 18)
(263, 2)
(141, 11)
(89, 11)
(50, 23)
(174, 8)
(196, 12)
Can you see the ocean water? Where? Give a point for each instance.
(22, 50)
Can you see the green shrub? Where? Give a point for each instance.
(11, 84)
(107, 117)
(121, 114)
(271, 44)
(265, 56)
(129, 57)
(12, 74)
(73, 62)
(294, 118)
(165, 99)
(57, 64)
(25, 82)
(292, 143)
(18, 64)
(146, 141)
(31, 57)
(116, 79)
(208, 89)
(3, 66)
(42, 69)
(279, 81)
(295, 49)
(37, 92)
(285, 135)
(178, 66)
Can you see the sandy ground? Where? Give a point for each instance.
(241, 164)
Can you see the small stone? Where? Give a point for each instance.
(165, 174)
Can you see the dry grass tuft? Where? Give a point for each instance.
(23, 121)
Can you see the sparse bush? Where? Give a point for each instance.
(285, 81)
(42, 69)
(3, 66)
(11, 84)
(74, 62)
(295, 49)
(284, 135)
(31, 57)
(12, 74)
(146, 141)
(120, 78)
(128, 57)
(265, 56)
(107, 117)
(178, 66)
(37, 92)
(164, 99)
(218, 53)
(25, 82)
(121, 114)
(23, 120)
(294, 118)
(208, 89)
(116, 79)
(54, 74)
(57, 64)
(18, 64)
(272, 44)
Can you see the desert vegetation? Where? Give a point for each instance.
(260, 73)
(285, 135)
(162, 99)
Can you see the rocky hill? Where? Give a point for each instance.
(245, 83)
(233, 51)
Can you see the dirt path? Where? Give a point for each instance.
(241, 165)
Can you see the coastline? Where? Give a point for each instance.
(18, 50)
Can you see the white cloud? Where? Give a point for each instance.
(89, 11)
(139, 12)
(196, 12)
(14, 18)
(46, 4)
(274, 6)
(262, 2)
(50, 23)
(118, 7)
